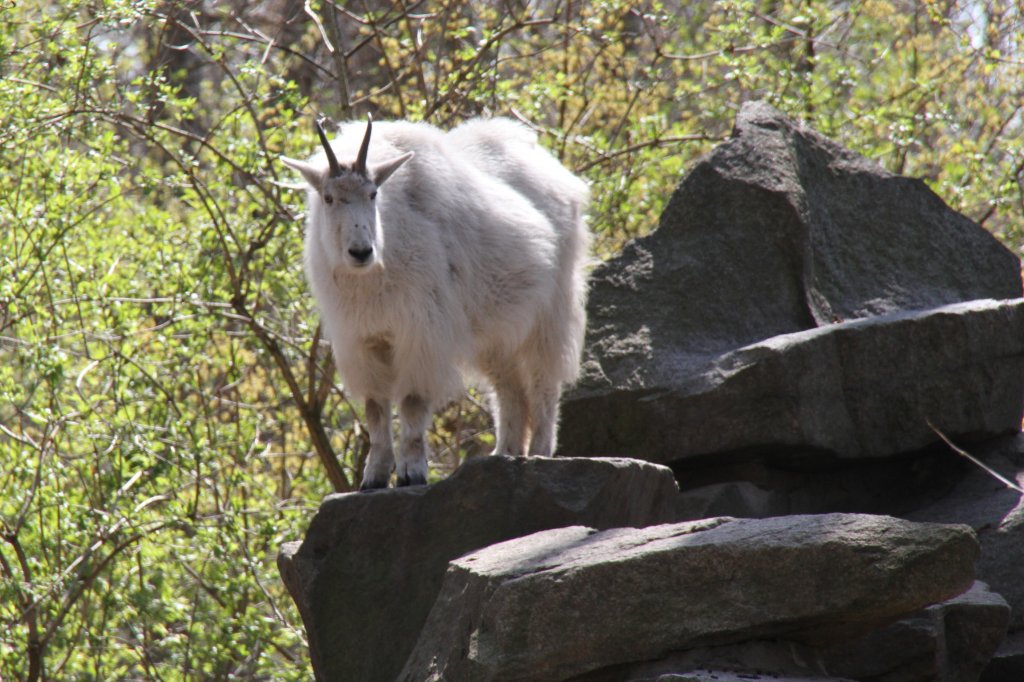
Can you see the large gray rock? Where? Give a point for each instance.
(371, 565)
(864, 388)
(573, 600)
(781, 302)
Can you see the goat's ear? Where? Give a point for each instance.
(314, 176)
(382, 171)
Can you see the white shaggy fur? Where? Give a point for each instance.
(470, 260)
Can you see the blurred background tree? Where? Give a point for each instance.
(168, 414)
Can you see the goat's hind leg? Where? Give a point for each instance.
(544, 397)
(511, 412)
(414, 414)
(552, 343)
(381, 461)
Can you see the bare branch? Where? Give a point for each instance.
(963, 453)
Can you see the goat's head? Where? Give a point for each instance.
(349, 224)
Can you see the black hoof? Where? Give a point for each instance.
(414, 479)
(368, 486)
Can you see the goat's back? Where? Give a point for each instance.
(508, 150)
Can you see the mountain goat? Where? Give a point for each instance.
(433, 256)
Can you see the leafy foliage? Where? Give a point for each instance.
(168, 416)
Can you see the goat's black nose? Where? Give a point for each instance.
(361, 255)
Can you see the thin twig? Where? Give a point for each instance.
(1009, 484)
(311, 13)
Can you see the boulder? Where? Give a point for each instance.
(573, 600)
(370, 567)
(865, 388)
(798, 296)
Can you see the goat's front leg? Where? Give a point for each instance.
(414, 415)
(381, 461)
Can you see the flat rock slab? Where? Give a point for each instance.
(371, 565)
(866, 388)
(572, 600)
(777, 232)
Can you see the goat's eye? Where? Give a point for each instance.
(328, 199)
(373, 195)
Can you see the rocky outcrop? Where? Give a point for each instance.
(931, 486)
(371, 565)
(797, 296)
(489, 575)
(456, 582)
(514, 610)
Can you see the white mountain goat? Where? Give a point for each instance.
(436, 255)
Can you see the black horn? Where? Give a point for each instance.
(360, 166)
(331, 158)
